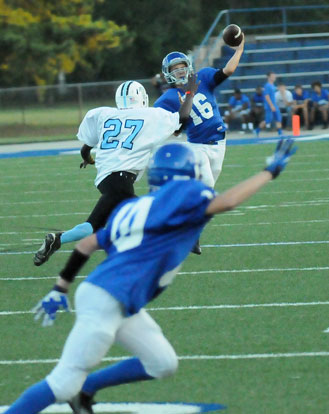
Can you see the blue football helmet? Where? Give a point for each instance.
(172, 162)
(175, 76)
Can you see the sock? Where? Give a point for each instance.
(33, 400)
(250, 126)
(257, 130)
(77, 233)
(244, 126)
(130, 370)
(280, 131)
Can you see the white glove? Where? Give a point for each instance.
(49, 305)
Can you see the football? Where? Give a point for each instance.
(232, 35)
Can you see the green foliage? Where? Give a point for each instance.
(46, 38)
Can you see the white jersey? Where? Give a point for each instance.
(125, 138)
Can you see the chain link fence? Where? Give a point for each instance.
(54, 112)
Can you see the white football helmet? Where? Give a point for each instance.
(131, 94)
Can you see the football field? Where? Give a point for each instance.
(247, 318)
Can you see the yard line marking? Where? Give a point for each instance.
(45, 215)
(204, 307)
(326, 331)
(185, 357)
(267, 223)
(77, 200)
(267, 244)
(295, 243)
(200, 272)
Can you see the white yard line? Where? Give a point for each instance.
(266, 244)
(185, 357)
(268, 223)
(206, 307)
(290, 243)
(45, 215)
(201, 272)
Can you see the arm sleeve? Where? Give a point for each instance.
(219, 77)
(88, 131)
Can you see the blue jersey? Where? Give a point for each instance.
(238, 103)
(205, 123)
(147, 239)
(269, 89)
(321, 99)
(258, 100)
(300, 98)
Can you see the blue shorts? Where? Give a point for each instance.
(272, 116)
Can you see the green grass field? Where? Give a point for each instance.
(255, 342)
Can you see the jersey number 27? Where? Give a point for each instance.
(114, 129)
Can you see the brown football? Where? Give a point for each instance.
(232, 35)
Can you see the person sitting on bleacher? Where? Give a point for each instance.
(320, 103)
(272, 111)
(239, 108)
(300, 104)
(284, 100)
(257, 107)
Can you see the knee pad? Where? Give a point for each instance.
(163, 365)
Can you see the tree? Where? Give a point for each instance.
(41, 38)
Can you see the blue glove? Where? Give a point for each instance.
(47, 307)
(278, 161)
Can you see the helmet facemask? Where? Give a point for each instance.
(175, 76)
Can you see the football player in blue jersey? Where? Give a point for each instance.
(205, 129)
(272, 111)
(146, 240)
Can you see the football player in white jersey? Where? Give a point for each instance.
(146, 240)
(124, 138)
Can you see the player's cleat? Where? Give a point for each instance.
(82, 403)
(196, 248)
(51, 243)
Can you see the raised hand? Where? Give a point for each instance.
(278, 161)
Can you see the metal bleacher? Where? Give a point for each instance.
(294, 64)
(298, 58)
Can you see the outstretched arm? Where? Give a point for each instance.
(186, 105)
(232, 64)
(241, 192)
(57, 298)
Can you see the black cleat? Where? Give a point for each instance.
(197, 248)
(82, 404)
(51, 243)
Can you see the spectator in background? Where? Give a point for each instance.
(284, 100)
(160, 84)
(320, 103)
(239, 108)
(300, 104)
(257, 107)
(272, 111)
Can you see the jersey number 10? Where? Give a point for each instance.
(114, 129)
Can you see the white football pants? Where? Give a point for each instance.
(100, 322)
(210, 158)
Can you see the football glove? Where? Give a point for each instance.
(278, 161)
(49, 305)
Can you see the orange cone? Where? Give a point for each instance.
(296, 125)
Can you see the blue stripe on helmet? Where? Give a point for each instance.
(124, 92)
